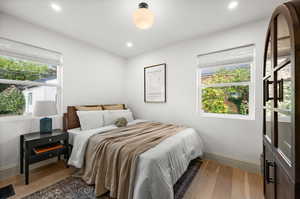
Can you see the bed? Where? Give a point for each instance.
(158, 168)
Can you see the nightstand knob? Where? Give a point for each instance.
(50, 140)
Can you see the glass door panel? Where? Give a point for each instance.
(268, 124)
(268, 65)
(285, 135)
(284, 87)
(268, 108)
(283, 40)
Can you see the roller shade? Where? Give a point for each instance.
(226, 57)
(29, 52)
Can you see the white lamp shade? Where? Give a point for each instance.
(143, 18)
(44, 108)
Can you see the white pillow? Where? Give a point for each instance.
(112, 115)
(90, 119)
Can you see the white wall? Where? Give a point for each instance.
(90, 76)
(232, 138)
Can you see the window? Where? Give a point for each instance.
(27, 74)
(225, 83)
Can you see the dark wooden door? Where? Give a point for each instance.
(269, 174)
(281, 79)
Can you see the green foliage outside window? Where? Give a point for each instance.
(12, 100)
(13, 69)
(226, 99)
(225, 75)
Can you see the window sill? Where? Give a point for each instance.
(23, 118)
(226, 116)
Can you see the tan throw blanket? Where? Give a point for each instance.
(111, 158)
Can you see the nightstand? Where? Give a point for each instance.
(36, 147)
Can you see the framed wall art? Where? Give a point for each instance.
(155, 90)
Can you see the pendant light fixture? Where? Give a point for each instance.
(143, 18)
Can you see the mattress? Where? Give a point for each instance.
(72, 134)
(158, 169)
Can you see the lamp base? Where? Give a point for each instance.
(46, 125)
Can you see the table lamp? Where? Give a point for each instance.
(45, 109)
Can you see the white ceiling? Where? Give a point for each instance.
(108, 23)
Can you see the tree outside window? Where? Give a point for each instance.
(12, 99)
(225, 90)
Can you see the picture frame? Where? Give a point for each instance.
(155, 88)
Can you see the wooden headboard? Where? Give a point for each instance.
(71, 120)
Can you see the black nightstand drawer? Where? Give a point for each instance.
(47, 140)
(46, 155)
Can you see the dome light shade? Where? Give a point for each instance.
(143, 18)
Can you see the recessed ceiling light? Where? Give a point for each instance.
(56, 7)
(232, 5)
(129, 44)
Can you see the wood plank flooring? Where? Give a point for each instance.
(217, 181)
(213, 181)
(39, 178)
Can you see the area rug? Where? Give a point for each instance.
(6, 192)
(75, 188)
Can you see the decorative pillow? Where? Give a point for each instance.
(110, 117)
(121, 122)
(88, 108)
(113, 107)
(90, 119)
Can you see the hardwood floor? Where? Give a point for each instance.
(217, 181)
(213, 181)
(39, 178)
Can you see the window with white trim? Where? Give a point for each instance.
(226, 83)
(27, 74)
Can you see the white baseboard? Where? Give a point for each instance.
(247, 166)
(13, 170)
